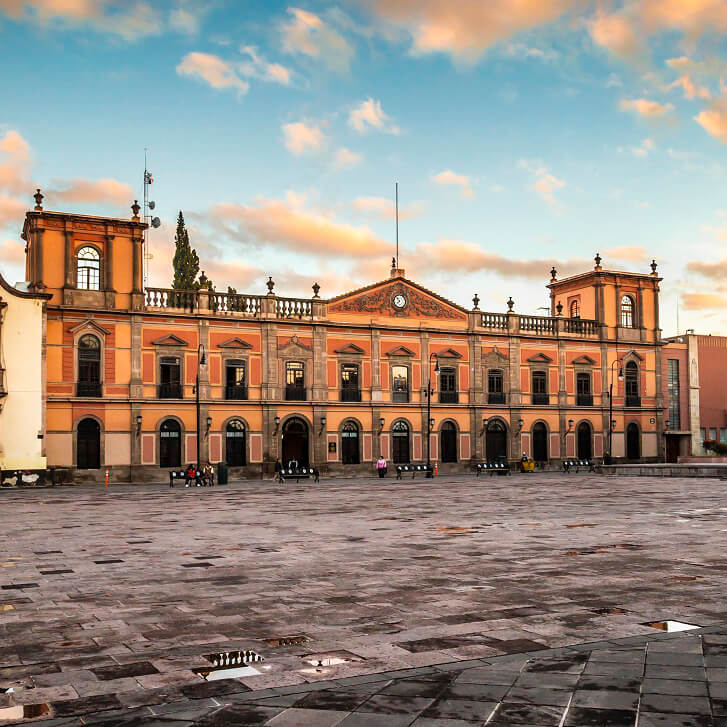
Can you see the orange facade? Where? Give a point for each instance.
(333, 383)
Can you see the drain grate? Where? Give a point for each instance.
(287, 640)
(671, 626)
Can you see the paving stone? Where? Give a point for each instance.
(655, 719)
(605, 699)
(307, 718)
(676, 686)
(584, 717)
(675, 703)
(466, 709)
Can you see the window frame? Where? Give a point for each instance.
(89, 387)
(93, 264)
(347, 391)
(401, 396)
(291, 389)
(496, 397)
(627, 311)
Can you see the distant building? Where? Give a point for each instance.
(332, 383)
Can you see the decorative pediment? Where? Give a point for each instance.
(632, 354)
(494, 358)
(350, 349)
(235, 343)
(399, 298)
(294, 347)
(540, 358)
(90, 325)
(584, 360)
(170, 340)
(400, 351)
(449, 353)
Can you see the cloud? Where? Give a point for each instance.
(12, 260)
(14, 163)
(369, 115)
(186, 17)
(12, 210)
(213, 70)
(701, 301)
(308, 34)
(714, 120)
(633, 253)
(694, 18)
(646, 108)
(259, 67)
(546, 184)
(715, 271)
(101, 191)
(301, 137)
(617, 34)
(345, 158)
(384, 208)
(448, 177)
(286, 224)
(691, 90)
(467, 28)
(468, 257)
(643, 149)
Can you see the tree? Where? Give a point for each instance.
(186, 260)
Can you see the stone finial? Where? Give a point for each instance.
(393, 263)
(553, 274)
(653, 267)
(597, 260)
(270, 284)
(510, 304)
(559, 308)
(316, 288)
(135, 210)
(38, 196)
(203, 279)
(476, 301)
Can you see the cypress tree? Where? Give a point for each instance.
(186, 260)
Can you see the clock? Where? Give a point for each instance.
(399, 301)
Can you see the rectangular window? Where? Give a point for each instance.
(675, 415)
(584, 395)
(448, 386)
(350, 390)
(399, 383)
(540, 388)
(235, 381)
(712, 434)
(495, 387)
(723, 436)
(294, 381)
(170, 386)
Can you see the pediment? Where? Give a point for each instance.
(170, 340)
(540, 358)
(350, 349)
(92, 325)
(294, 347)
(449, 353)
(235, 343)
(584, 360)
(400, 351)
(632, 354)
(413, 301)
(494, 357)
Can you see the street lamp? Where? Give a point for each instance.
(430, 393)
(611, 422)
(200, 362)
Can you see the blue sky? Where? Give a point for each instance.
(521, 135)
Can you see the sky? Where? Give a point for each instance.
(522, 133)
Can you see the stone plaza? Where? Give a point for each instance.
(520, 600)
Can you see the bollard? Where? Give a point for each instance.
(106, 478)
(435, 468)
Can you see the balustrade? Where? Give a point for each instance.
(233, 303)
(167, 298)
(538, 324)
(494, 320)
(293, 308)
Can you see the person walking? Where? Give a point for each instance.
(279, 472)
(381, 467)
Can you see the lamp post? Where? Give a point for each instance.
(610, 407)
(200, 362)
(430, 392)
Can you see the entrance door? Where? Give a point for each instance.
(585, 451)
(349, 444)
(88, 443)
(496, 442)
(540, 442)
(170, 444)
(295, 442)
(672, 449)
(448, 438)
(633, 442)
(400, 443)
(235, 444)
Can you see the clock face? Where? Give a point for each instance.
(399, 301)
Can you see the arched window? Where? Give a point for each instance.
(575, 309)
(88, 269)
(448, 442)
(294, 381)
(631, 378)
(88, 445)
(349, 443)
(170, 444)
(235, 444)
(495, 390)
(627, 311)
(89, 366)
(400, 446)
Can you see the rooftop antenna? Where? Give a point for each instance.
(396, 196)
(154, 222)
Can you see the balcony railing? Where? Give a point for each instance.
(541, 399)
(236, 392)
(580, 326)
(186, 300)
(349, 394)
(400, 397)
(448, 397)
(295, 393)
(88, 388)
(494, 320)
(172, 390)
(293, 308)
(234, 303)
(496, 397)
(632, 400)
(538, 324)
(584, 399)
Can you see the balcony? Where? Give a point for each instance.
(401, 397)
(295, 393)
(584, 399)
(236, 392)
(350, 394)
(541, 399)
(496, 397)
(632, 400)
(88, 388)
(449, 397)
(170, 390)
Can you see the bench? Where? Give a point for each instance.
(500, 468)
(301, 473)
(401, 469)
(176, 475)
(578, 464)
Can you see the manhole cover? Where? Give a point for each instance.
(671, 626)
(287, 640)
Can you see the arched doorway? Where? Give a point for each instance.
(585, 450)
(170, 444)
(295, 442)
(400, 442)
(235, 453)
(349, 444)
(88, 445)
(633, 442)
(496, 441)
(540, 442)
(448, 442)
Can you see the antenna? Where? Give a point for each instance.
(396, 195)
(152, 222)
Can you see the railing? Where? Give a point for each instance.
(236, 392)
(293, 308)
(584, 399)
(187, 300)
(88, 388)
(295, 393)
(350, 394)
(538, 324)
(494, 320)
(401, 397)
(541, 399)
(580, 326)
(632, 400)
(496, 397)
(171, 390)
(448, 397)
(235, 303)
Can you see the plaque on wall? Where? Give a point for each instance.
(331, 447)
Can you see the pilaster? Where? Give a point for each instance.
(320, 364)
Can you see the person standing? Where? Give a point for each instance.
(279, 472)
(381, 467)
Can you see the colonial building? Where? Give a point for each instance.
(333, 383)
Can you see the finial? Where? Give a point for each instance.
(598, 261)
(316, 288)
(510, 304)
(270, 284)
(559, 308)
(476, 301)
(393, 263)
(203, 279)
(553, 273)
(135, 210)
(653, 267)
(38, 200)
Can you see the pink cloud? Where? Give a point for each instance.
(213, 70)
(633, 253)
(702, 301)
(369, 115)
(616, 33)
(450, 178)
(645, 107)
(100, 191)
(714, 120)
(384, 208)
(301, 137)
(306, 33)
